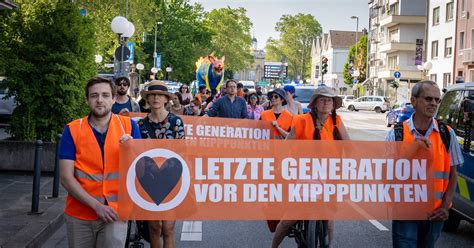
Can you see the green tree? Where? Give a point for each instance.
(294, 44)
(360, 64)
(46, 53)
(231, 37)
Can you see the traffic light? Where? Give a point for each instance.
(324, 68)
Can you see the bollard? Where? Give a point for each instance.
(56, 169)
(36, 178)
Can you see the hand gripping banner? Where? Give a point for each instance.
(234, 179)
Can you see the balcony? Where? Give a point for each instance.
(393, 20)
(394, 46)
(387, 73)
(467, 56)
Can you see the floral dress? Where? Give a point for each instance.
(171, 127)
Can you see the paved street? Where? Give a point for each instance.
(362, 126)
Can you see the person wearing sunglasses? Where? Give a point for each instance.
(124, 103)
(422, 126)
(253, 107)
(280, 117)
(185, 94)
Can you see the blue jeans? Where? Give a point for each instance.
(415, 233)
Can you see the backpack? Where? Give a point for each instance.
(443, 131)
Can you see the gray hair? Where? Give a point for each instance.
(417, 89)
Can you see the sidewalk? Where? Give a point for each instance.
(18, 228)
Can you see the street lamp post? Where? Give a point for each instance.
(124, 29)
(168, 71)
(357, 31)
(154, 49)
(140, 67)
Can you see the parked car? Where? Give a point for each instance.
(172, 86)
(454, 109)
(379, 104)
(399, 114)
(303, 95)
(7, 105)
(346, 99)
(250, 85)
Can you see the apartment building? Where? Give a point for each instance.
(396, 38)
(441, 40)
(255, 71)
(335, 46)
(464, 48)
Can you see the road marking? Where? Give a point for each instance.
(378, 225)
(191, 231)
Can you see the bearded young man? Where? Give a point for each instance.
(124, 102)
(89, 160)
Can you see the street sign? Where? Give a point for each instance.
(83, 12)
(109, 65)
(397, 74)
(122, 53)
(275, 70)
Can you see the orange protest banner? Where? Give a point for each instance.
(232, 179)
(212, 128)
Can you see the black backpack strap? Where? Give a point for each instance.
(444, 133)
(398, 130)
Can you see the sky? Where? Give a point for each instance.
(264, 14)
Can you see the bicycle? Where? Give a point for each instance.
(310, 233)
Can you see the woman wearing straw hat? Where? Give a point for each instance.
(322, 123)
(160, 124)
(281, 118)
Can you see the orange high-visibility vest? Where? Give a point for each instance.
(199, 96)
(305, 127)
(97, 178)
(284, 120)
(441, 159)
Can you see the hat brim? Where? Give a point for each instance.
(144, 94)
(269, 95)
(336, 99)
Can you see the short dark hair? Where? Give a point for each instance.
(99, 80)
(240, 85)
(230, 81)
(202, 87)
(120, 79)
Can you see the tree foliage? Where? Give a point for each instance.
(294, 44)
(46, 53)
(360, 63)
(231, 37)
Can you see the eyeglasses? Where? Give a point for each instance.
(122, 84)
(185, 88)
(430, 99)
(275, 96)
(253, 97)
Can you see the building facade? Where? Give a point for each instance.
(335, 47)
(256, 71)
(396, 38)
(441, 39)
(464, 47)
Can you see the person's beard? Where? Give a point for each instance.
(121, 93)
(101, 113)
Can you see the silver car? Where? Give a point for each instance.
(379, 104)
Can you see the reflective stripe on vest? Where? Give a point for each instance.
(441, 162)
(284, 120)
(99, 178)
(305, 127)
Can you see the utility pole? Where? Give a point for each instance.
(154, 49)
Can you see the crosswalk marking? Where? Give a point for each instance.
(191, 231)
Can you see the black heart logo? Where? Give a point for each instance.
(158, 181)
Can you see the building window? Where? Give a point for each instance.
(463, 7)
(433, 77)
(436, 16)
(446, 80)
(434, 49)
(448, 47)
(394, 36)
(449, 11)
(392, 62)
(461, 40)
(471, 75)
(394, 9)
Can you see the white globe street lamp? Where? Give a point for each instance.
(154, 70)
(129, 30)
(119, 24)
(140, 66)
(98, 58)
(168, 70)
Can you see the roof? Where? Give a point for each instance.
(343, 39)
